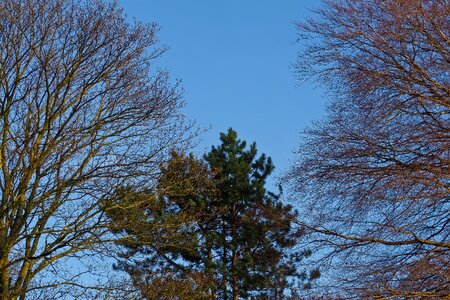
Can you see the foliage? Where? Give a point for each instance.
(214, 221)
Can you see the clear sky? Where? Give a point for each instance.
(235, 62)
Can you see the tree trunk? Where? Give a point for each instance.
(234, 276)
(234, 261)
(225, 275)
(210, 272)
(4, 280)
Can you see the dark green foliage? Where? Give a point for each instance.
(211, 223)
(161, 232)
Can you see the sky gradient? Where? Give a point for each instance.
(234, 59)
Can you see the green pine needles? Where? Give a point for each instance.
(210, 229)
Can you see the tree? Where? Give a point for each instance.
(256, 229)
(374, 172)
(212, 225)
(164, 231)
(80, 114)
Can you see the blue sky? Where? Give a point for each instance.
(235, 62)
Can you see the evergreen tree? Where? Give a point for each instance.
(212, 225)
(164, 232)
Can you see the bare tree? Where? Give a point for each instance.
(80, 114)
(375, 171)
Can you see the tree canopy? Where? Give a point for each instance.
(82, 111)
(375, 171)
(212, 225)
(94, 170)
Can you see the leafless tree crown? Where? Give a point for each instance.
(375, 171)
(80, 113)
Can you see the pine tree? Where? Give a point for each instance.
(212, 225)
(256, 227)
